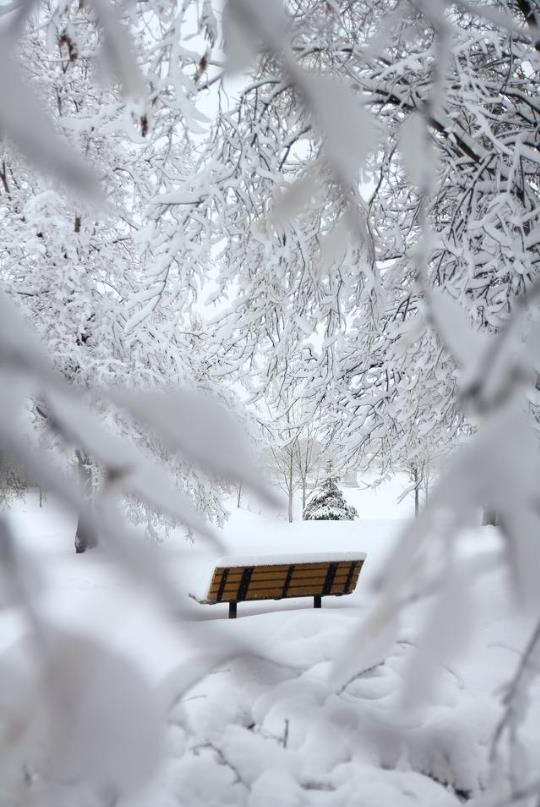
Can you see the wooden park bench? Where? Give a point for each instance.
(273, 578)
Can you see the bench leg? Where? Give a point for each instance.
(317, 601)
(232, 610)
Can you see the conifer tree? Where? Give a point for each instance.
(327, 503)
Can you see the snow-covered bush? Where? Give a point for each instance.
(327, 503)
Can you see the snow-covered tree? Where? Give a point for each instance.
(327, 503)
(327, 265)
(80, 273)
(308, 459)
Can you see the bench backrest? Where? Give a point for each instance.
(276, 581)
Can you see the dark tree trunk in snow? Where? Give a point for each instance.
(290, 486)
(239, 496)
(416, 491)
(426, 483)
(490, 518)
(83, 539)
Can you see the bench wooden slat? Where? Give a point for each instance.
(235, 572)
(282, 567)
(341, 578)
(317, 574)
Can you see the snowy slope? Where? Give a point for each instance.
(256, 718)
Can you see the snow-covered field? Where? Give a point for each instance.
(268, 720)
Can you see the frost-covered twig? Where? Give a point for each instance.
(515, 692)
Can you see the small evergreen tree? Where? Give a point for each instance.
(327, 503)
(12, 482)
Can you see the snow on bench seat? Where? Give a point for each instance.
(289, 557)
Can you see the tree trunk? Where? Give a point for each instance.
(416, 492)
(83, 538)
(290, 487)
(239, 496)
(489, 518)
(304, 483)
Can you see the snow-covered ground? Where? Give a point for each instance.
(264, 721)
